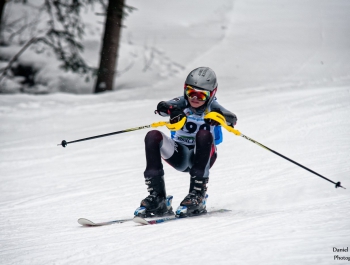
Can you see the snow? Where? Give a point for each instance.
(282, 68)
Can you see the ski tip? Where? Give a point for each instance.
(85, 222)
(140, 220)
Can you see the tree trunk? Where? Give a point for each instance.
(110, 45)
(2, 5)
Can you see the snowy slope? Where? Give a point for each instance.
(268, 60)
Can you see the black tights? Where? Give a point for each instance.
(194, 159)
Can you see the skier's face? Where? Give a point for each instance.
(195, 103)
(197, 97)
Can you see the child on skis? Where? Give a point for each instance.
(191, 148)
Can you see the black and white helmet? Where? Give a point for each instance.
(203, 78)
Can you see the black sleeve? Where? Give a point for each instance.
(164, 106)
(231, 118)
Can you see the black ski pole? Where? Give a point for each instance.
(64, 143)
(219, 118)
(337, 184)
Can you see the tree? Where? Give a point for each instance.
(2, 5)
(65, 30)
(61, 33)
(110, 46)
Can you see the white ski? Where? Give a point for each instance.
(87, 222)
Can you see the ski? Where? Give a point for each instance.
(143, 221)
(140, 211)
(87, 222)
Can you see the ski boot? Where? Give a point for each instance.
(191, 210)
(195, 202)
(157, 203)
(154, 206)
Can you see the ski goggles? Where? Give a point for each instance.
(201, 95)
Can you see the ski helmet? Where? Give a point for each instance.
(203, 78)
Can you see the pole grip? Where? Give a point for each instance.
(158, 124)
(222, 121)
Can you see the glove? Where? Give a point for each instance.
(213, 122)
(162, 109)
(176, 115)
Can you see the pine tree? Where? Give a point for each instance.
(63, 34)
(66, 29)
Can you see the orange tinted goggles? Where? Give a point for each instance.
(192, 93)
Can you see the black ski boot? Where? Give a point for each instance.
(195, 202)
(157, 203)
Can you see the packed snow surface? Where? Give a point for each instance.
(283, 69)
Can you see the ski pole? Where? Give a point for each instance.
(153, 125)
(221, 119)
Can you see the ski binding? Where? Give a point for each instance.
(143, 221)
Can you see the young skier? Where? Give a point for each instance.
(191, 148)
